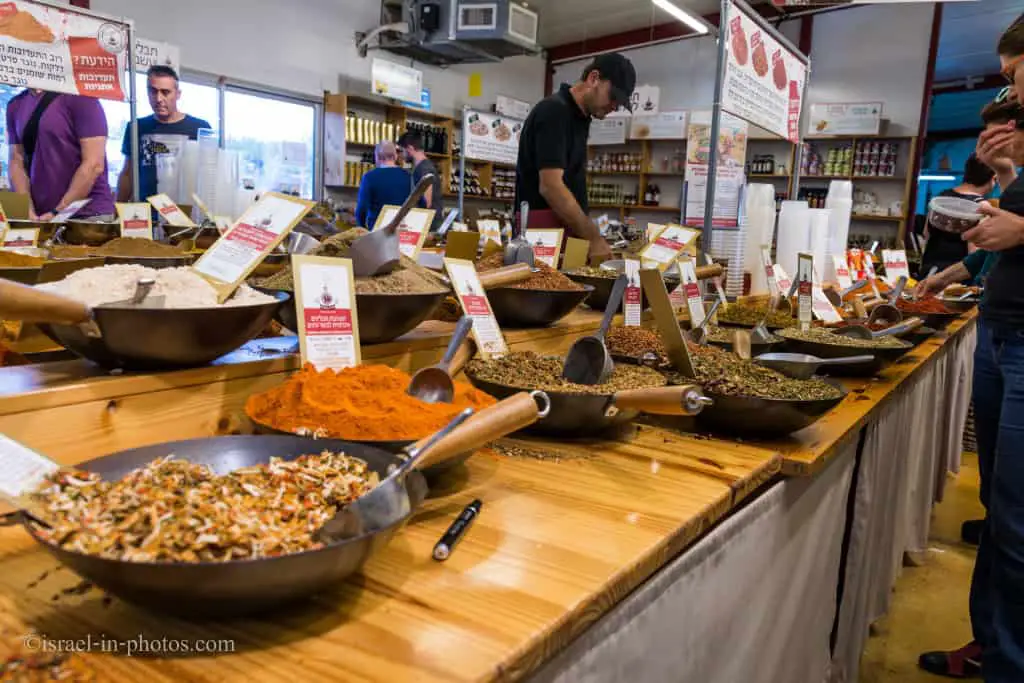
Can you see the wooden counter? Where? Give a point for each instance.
(557, 544)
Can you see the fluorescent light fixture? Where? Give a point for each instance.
(935, 177)
(691, 20)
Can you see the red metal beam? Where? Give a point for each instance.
(926, 103)
(806, 34)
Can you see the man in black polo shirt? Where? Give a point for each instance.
(551, 175)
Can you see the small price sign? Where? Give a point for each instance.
(328, 321)
(547, 245)
(667, 246)
(632, 299)
(895, 261)
(805, 280)
(691, 289)
(170, 212)
(473, 298)
(412, 232)
(769, 270)
(136, 220)
(842, 272)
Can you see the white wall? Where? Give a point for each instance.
(306, 46)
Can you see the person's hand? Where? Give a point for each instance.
(999, 230)
(45, 217)
(600, 251)
(928, 286)
(995, 147)
(32, 215)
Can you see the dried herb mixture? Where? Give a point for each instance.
(529, 370)
(823, 336)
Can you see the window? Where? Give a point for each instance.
(275, 141)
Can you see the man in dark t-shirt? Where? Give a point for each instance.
(411, 145)
(162, 133)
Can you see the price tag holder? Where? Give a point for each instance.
(665, 318)
(691, 290)
(170, 212)
(70, 210)
(576, 253)
(486, 332)
(770, 272)
(633, 297)
(261, 228)
(667, 247)
(328, 321)
(805, 289)
(842, 272)
(547, 245)
(412, 232)
(490, 231)
(461, 245)
(21, 237)
(22, 470)
(652, 231)
(895, 261)
(782, 279)
(136, 220)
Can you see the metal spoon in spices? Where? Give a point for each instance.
(699, 335)
(588, 360)
(434, 384)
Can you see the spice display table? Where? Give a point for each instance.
(568, 556)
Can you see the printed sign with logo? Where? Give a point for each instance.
(328, 321)
(842, 272)
(486, 332)
(805, 287)
(151, 53)
(261, 228)
(895, 261)
(170, 212)
(22, 470)
(413, 230)
(21, 237)
(667, 246)
(668, 125)
(491, 137)
(633, 297)
(136, 220)
(652, 231)
(70, 210)
(609, 131)
(769, 270)
(547, 245)
(490, 231)
(396, 81)
(822, 307)
(844, 118)
(691, 290)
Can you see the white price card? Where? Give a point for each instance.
(633, 297)
(822, 308)
(842, 272)
(412, 232)
(4, 224)
(223, 223)
(895, 261)
(136, 220)
(21, 237)
(326, 306)
(769, 270)
(486, 332)
(691, 289)
(459, 227)
(170, 212)
(805, 289)
(652, 231)
(547, 245)
(667, 246)
(490, 231)
(70, 210)
(22, 470)
(782, 279)
(260, 229)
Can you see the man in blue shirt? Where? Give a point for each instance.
(162, 133)
(387, 184)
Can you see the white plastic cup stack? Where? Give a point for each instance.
(794, 235)
(820, 241)
(840, 202)
(760, 220)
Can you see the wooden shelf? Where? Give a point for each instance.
(770, 175)
(629, 173)
(870, 217)
(656, 209)
(435, 155)
(825, 177)
(880, 178)
(669, 174)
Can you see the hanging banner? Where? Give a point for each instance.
(764, 81)
(328, 322)
(729, 176)
(853, 118)
(490, 137)
(610, 131)
(412, 231)
(63, 51)
(547, 245)
(151, 53)
(668, 125)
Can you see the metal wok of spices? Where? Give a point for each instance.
(636, 344)
(824, 344)
(823, 336)
(748, 315)
(544, 277)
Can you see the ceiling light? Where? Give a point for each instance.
(694, 22)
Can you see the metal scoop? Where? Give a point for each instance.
(888, 312)
(699, 335)
(836, 298)
(760, 333)
(786, 304)
(378, 253)
(518, 249)
(866, 333)
(434, 384)
(449, 219)
(588, 360)
(804, 365)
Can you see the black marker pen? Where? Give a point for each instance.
(447, 543)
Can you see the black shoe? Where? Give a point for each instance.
(962, 663)
(970, 531)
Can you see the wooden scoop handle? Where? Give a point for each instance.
(509, 275)
(705, 272)
(860, 311)
(28, 304)
(515, 412)
(681, 400)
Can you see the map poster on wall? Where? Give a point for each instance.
(491, 137)
(62, 51)
(764, 81)
(729, 176)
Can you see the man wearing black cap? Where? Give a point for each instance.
(552, 171)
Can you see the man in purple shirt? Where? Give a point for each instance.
(70, 160)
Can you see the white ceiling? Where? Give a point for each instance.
(970, 31)
(567, 21)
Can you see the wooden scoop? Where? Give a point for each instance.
(378, 253)
(31, 305)
(683, 400)
(508, 275)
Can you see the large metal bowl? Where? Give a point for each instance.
(514, 307)
(51, 271)
(883, 357)
(89, 233)
(598, 299)
(747, 416)
(156, 262)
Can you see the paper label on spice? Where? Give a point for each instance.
(667, 246)
(21, 472)
(842, 272)
(652, 231)
(805, 289)
(769, 270)
(490, 231)
(70, 210)
(691, 289)
(822, 308)
(782, 279)
(325, 301)
(136, 220)
(486, 332)
(547, 245)
(260, 229)
(412, 231)
(895, 261)
(170, 212)
(21, 237)
(633, 296)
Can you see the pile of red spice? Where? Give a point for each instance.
(927, 305)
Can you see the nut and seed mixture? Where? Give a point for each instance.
(822, 336)
(593, 271)
(723, 335)
(745, 314)
(529, 370)
(635, 342)
(546, 277)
